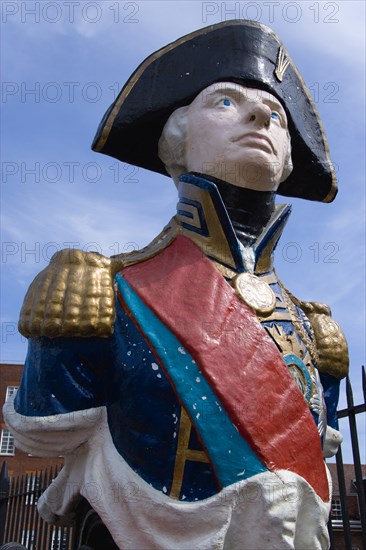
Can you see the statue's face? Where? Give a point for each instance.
(239, 135)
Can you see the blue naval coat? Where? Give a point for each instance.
(122, 373)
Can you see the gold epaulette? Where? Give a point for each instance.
(330, 340)
(74, 295)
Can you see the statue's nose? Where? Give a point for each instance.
(259, 114)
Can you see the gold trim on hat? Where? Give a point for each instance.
(282, 63)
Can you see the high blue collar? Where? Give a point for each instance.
(204, 219)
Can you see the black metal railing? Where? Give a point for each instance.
(347, 526)
(19, 518)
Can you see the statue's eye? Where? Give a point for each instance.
(227, 102)
(275, 115)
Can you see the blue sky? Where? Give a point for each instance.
(62, 65)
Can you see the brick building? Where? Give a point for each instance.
(352, 506)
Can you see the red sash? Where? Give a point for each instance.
(236, 356)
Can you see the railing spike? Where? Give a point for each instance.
(349, 393)
(4, 470)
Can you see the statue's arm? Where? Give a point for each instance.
(333, 365)
(68, 315)
(58, 402)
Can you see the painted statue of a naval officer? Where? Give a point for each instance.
(192, 395)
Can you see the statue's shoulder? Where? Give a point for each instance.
(330, 340)
(74, 295)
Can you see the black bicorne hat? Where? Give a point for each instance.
(239, 51)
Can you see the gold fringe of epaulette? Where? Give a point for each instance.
(74, 295)
(331, 343)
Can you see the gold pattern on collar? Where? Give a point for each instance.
(265, 261)
(191, 212)
(215, 243)
(200, 222)
(282, 63)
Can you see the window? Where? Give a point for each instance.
(336, 509)
(28, 539)
(32, 489)
(6, 443)
(60, 539)
(11, 391)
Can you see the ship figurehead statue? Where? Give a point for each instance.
(183, 380)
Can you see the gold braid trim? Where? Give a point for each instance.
(331, 343)
(74, 295)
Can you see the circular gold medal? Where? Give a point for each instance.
(257, 294)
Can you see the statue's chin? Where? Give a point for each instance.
(252, 175)
(257, 186)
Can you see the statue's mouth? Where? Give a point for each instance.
(257, 139)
